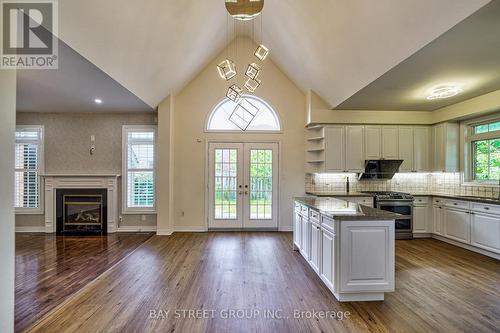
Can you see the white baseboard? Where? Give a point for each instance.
(422, 235)
(287, 228)
(467, 247)
(136, 229)
(31, 229)
(190, 229)
(164, 232)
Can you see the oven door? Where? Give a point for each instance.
(403, 223)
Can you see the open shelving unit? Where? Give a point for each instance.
(315, 149)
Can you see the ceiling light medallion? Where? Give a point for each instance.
(244, 10)
(444, 91)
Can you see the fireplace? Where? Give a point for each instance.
(81, 211)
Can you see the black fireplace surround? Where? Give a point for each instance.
(81, 211)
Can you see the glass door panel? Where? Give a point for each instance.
(261, 185)
(225, 189)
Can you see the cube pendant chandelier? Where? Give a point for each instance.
(245, 111)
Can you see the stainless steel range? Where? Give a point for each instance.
(400, 203)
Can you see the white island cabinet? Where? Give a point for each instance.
(350, 246)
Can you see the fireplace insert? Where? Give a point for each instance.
(81, 211)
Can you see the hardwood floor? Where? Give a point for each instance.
(51, 268)
(439, 288)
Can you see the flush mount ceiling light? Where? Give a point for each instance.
(98, 101)
(444, 91)
(244, 10)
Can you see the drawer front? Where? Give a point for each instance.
(329, 224)
(314, 215)
(438, 201)
(422, 200)
(458, 204)
(485, 208)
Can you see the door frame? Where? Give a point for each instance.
(207, 176)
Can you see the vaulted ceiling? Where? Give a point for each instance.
(335, 47)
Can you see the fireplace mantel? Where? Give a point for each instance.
(52, 182)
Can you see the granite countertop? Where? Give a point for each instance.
(416, 194)
(345, 211)
(338, 194)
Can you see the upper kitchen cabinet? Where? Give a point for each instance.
(421, 149)
(405, 148)
(445, 145)
(390, 142)
(373, 143)
(355, 154)
(335, 149)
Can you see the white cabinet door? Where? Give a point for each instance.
(315, 247)
(306, 238)
(297, 227)
(367, 260)
(355, 155)
(421, 219)
(437, 219)
(438, 148)
(421, 149)
(446, 147)
(328, 258)
(335, 149)
(457, 225)
(485, 232)
(405, 148)
(373, 143)
(390, 142)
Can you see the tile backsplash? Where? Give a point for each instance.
(444, 183)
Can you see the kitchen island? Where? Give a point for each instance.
(349, 245)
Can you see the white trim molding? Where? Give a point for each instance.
(54, 182)
(164, 232)
(137, 228)
(34, 229)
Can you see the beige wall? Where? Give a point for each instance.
(67, 142)
(7, 124)
(317, 113)
(192, 106)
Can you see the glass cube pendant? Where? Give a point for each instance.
(243, 114)
(252, 84)
(261, 52)
(234, 93)
(253, 70)
(227, 69)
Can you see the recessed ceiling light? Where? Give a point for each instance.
(98, 101)
(444, 91)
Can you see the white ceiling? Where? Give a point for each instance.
(335, 47)
(468, 55)
(73, 87)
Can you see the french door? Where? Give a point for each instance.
(243, 185)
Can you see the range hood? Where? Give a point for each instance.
(380, 169)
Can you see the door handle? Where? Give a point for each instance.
(240, 192)
(246, 192)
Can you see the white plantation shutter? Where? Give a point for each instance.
(139, 177)
(27, 167)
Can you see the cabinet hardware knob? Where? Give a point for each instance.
(487, 208)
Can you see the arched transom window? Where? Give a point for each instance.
(252, 114)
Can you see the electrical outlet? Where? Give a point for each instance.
(143, 218)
